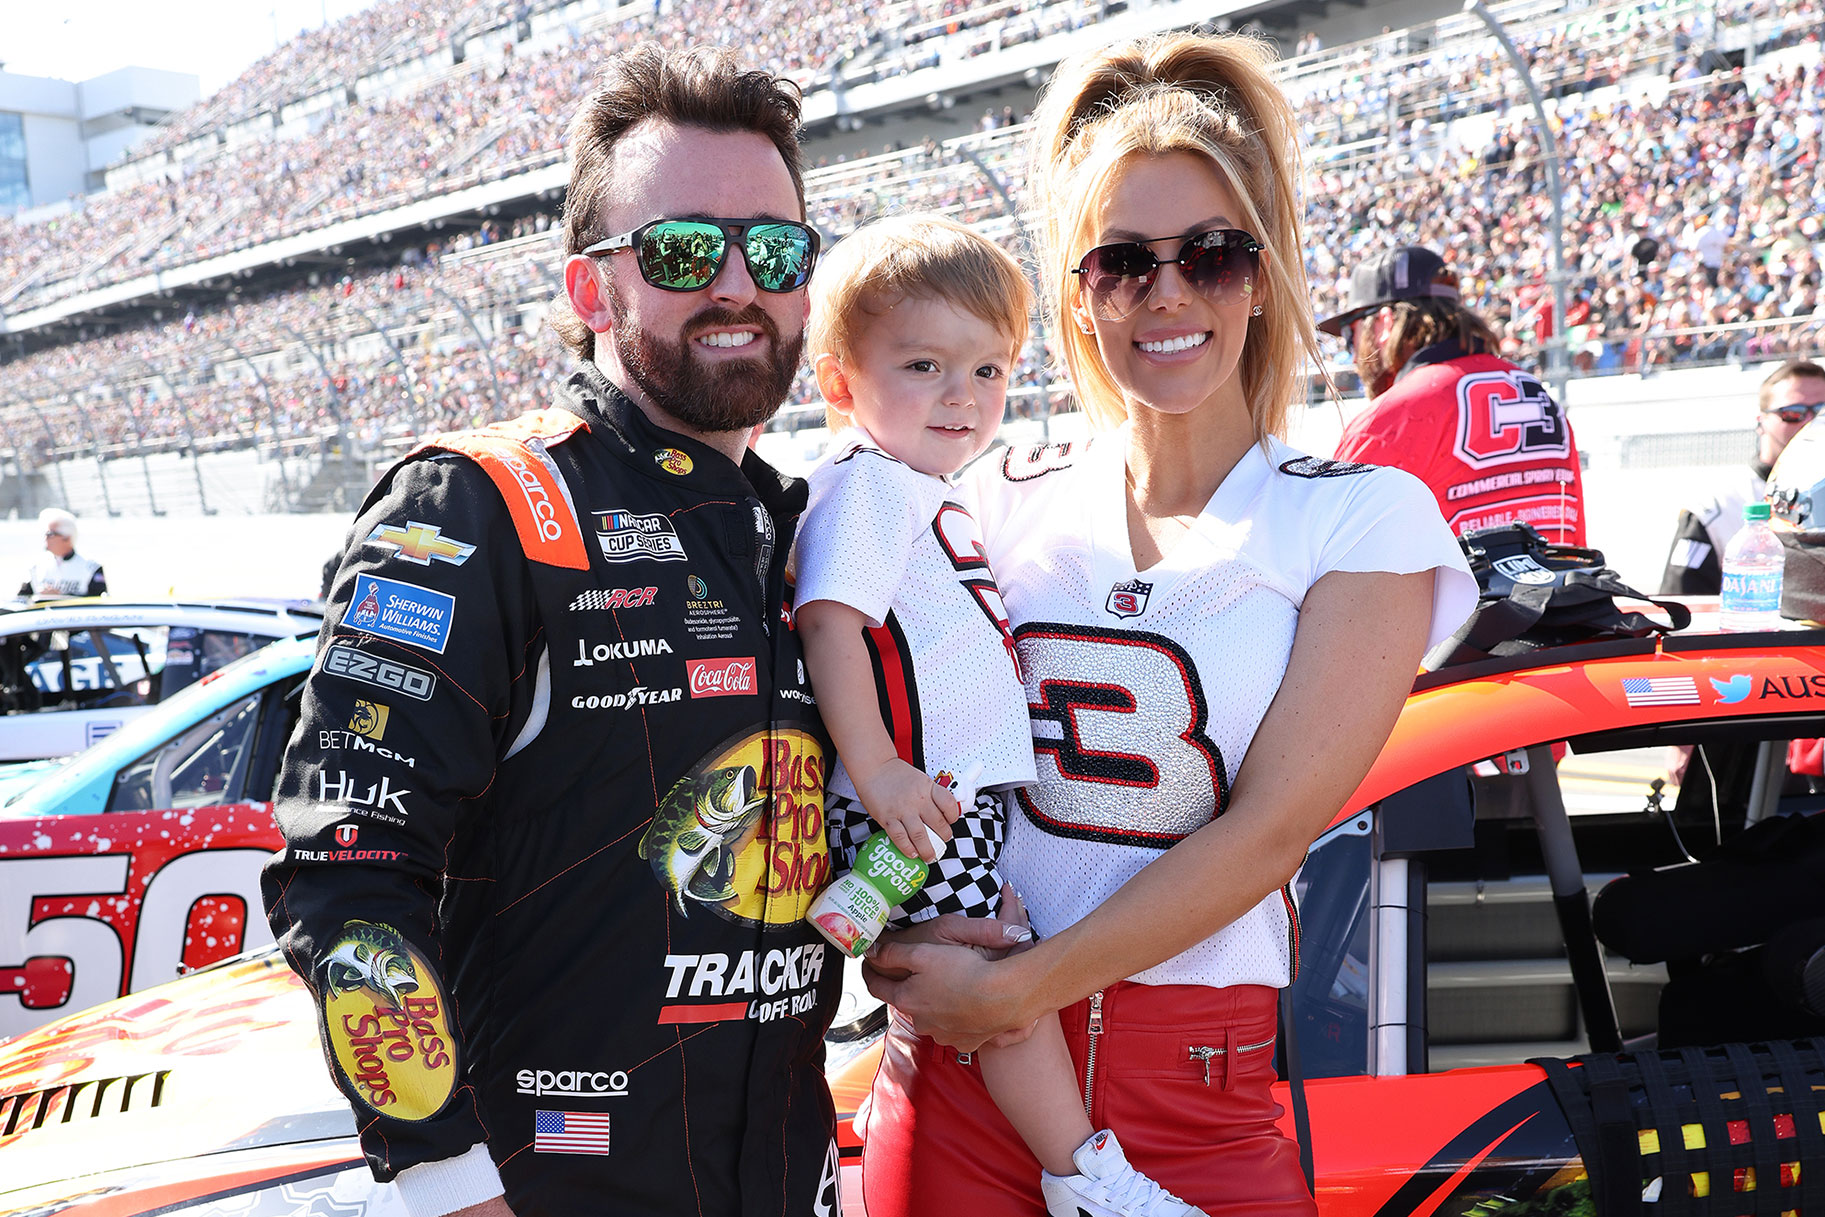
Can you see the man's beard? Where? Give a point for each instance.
(1371, 365)
(728, 395)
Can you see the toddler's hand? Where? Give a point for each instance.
(903, 801)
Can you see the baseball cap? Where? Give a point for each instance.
(1406, 272)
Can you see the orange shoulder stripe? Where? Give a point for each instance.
(513, 455)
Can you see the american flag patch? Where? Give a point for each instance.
(569, 1132)
(1660, 690)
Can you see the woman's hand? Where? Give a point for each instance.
(942, 975)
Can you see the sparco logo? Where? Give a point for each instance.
(632, 699)
(346, 661)
(575, 1083)
(537, 501)
(720, 677)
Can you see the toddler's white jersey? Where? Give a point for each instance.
(899, 547)
(1145, 688)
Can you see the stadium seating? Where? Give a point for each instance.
(1414, 136)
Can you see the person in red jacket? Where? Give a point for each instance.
(1484, 434)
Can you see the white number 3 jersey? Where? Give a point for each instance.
(1144, 688)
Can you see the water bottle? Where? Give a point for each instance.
(852, 912)
(1752, 575)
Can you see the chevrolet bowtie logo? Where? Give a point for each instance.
(422, 542)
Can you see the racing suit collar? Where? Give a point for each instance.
(1438, 352)
(635, 440)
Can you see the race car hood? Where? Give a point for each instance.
(225, 1059)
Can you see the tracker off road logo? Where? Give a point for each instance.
(742, 833)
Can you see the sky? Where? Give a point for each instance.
(211, 39)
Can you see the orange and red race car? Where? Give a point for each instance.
(1476, 1036)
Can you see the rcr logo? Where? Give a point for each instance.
(574, 1083)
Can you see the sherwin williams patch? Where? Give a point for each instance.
(404, 612)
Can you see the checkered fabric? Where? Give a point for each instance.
(967, 879)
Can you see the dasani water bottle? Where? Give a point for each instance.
(1752, 574)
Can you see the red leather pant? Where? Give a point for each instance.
(937, 1147)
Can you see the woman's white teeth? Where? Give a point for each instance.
(727, 340)
(1176, 344)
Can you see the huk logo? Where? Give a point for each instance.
(369, 719)
(347, 834)
(420, 543)
(674, 462)
(1128, 599)
(1736, 689)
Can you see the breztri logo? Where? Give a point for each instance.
(348, 662)
(572, 1083)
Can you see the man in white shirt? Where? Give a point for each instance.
(1790, 397)
(60, 570)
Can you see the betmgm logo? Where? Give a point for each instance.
(572, 1083)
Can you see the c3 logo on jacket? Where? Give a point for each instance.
(742, 833)
(387, 1024)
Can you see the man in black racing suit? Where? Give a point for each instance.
(554, 810)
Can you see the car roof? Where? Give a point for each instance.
(271, 618)
(81, 784)
(1460, 715)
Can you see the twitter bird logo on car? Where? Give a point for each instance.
(1731, 691)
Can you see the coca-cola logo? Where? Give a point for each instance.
(720, 677)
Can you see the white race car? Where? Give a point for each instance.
(74, 671)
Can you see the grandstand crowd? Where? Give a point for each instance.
(1692, 193)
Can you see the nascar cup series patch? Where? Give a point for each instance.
(385, 1021)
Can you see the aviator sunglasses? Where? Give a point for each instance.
(1220, 265)
(687, 255)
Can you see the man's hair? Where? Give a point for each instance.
(1791, 370)
(59, 521)
(1420, 323)
(704, 87)
(916, 257)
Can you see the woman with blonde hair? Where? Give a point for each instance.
(1216, 633)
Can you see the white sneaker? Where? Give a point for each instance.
(1106, 1186)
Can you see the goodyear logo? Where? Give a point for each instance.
(742, 834)
(387, 1023)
